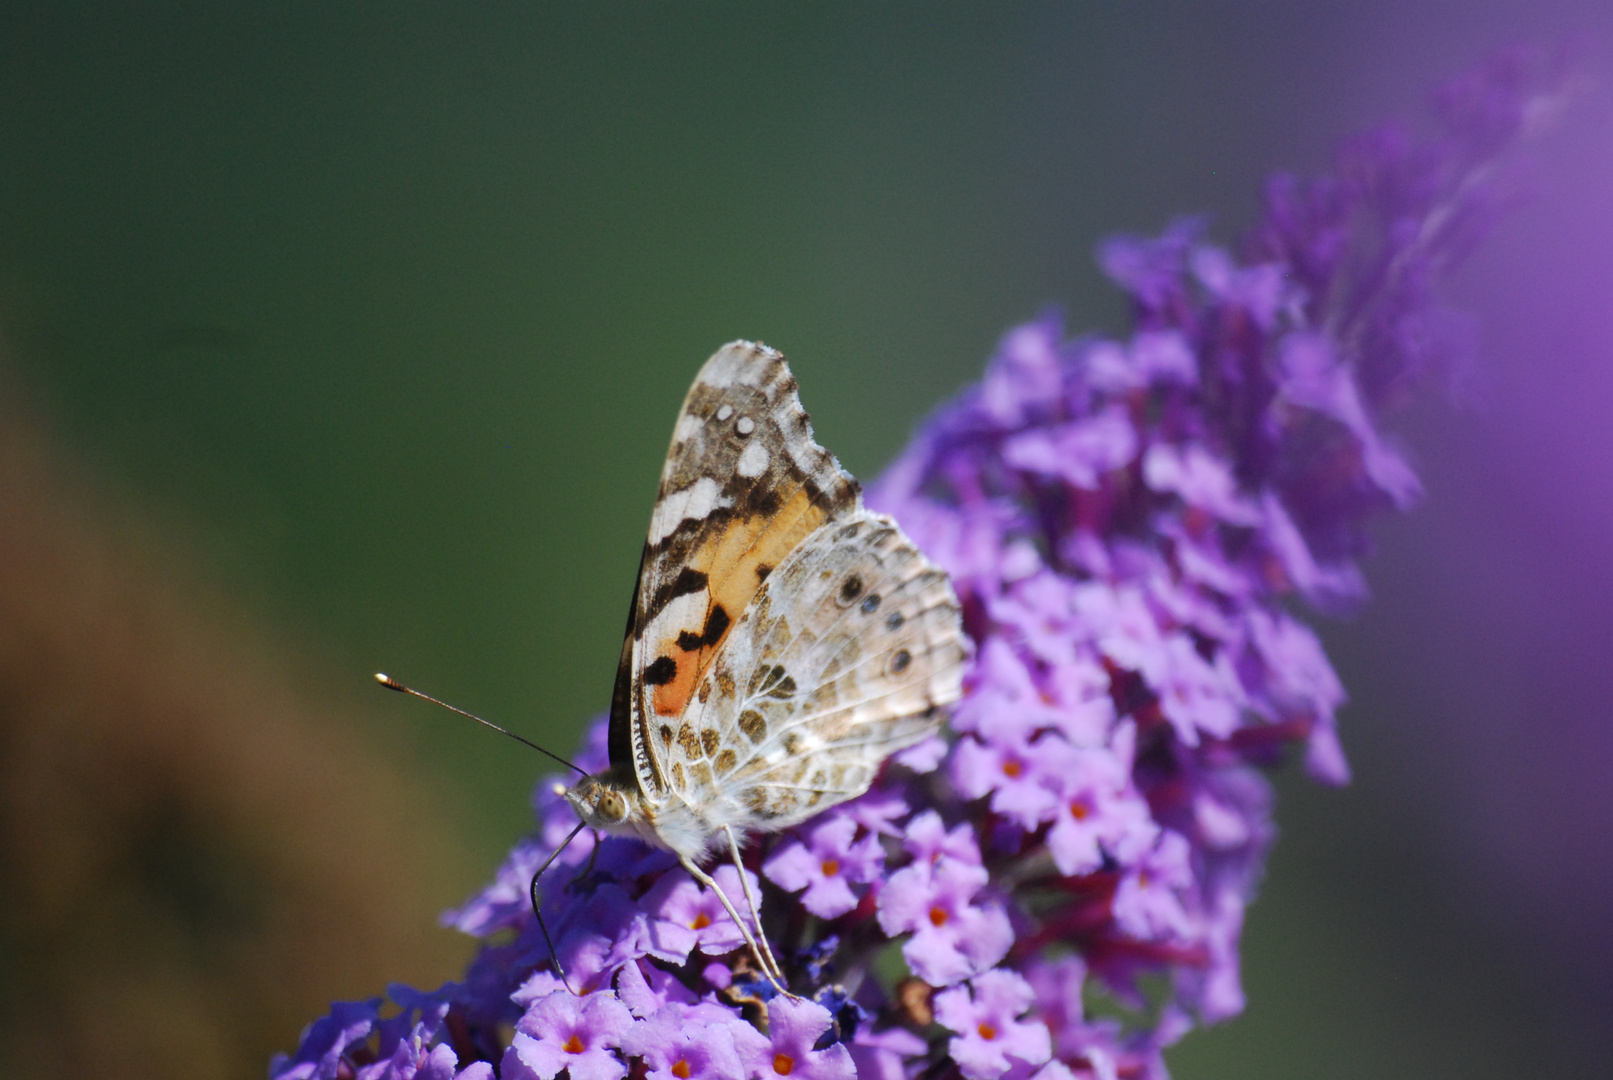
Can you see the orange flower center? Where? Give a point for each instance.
(1079, 811)
(1012, 768)
(701, 921)
(573, 1045)
(1143, 880)
(831, 867)
(938, 917)
(680, 1069)
(987, 1032)
(783, 1064)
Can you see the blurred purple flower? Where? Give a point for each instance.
(1099, 812)
(1129, 524)
(1148, 901)
(929, 841)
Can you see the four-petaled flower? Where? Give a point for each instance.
(1098, 811)
(565, 1031)
(686, 915)
(929, 841)
(990, 1035)
(1148, 901)
(826, 862)
(686, 1043)
(952, 937)
(794, 1027)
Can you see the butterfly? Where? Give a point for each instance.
(782, 642)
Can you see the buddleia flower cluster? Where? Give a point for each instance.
(1056, 887)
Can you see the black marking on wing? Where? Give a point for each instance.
(620, 740)
(850, 589)
(716, 624)
(663, 670)
(687, 581)
(762, 501)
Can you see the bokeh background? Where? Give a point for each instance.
(345, 337)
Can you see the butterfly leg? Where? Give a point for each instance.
(537, 908)
(709, 882)
(750, 898)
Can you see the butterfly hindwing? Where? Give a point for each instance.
(850, 652)
(744, 484)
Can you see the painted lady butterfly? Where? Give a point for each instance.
(783, 640)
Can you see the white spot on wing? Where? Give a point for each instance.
(696, 501)
(725, 412)
(753, 461)
(687, 611)
(687, 427)
(746, 425)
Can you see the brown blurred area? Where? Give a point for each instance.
(195, 856)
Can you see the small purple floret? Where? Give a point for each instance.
(827, 861)
(990, 1036)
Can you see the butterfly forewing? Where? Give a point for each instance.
(744, 484)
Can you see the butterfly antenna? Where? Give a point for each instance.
(532, 891)
(392, 684)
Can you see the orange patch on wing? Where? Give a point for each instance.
(733, 578)
(670, 698)
(729, 557)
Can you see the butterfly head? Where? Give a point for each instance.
(599, 802)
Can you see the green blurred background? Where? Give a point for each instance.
(348, 337)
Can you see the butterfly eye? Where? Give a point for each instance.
(870, 604)
(612, 807)
(850, 589)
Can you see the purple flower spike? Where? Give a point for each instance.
(1132, 526)
(1079, 453)
(985, 1016)
(1201, 479)
(882, 1055)
(826, 863)
(1196, 695)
